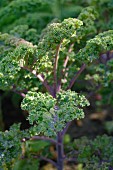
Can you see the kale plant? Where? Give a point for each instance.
(55, 63)
(94, 153)
(10, 145)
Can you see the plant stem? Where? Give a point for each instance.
(66, 128)
(45, 83)
(43, 138)
(55, 67)
(20, 93)
(60, 151)
(65, 65)
(76, 76)
(41, 78)
(48, 160)
(67, 57)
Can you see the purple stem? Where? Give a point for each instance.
(55, 68)
(43, 138)
(76, 76)
(65, 65)
(48, 160)
(41, 78)
(20, 93)
(66, 128)
(60, 151)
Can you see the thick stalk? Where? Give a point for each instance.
(60, 151)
